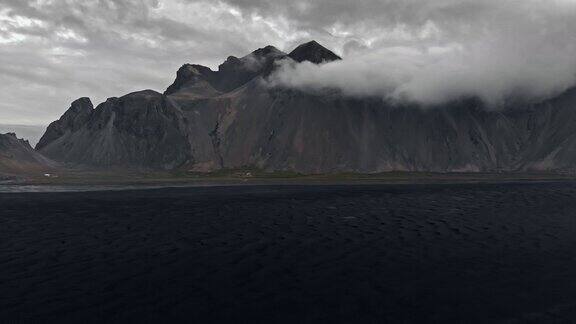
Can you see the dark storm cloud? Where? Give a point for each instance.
(54, 51)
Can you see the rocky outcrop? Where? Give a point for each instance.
(234, 72)
(17, 156)
(194, 79)
(142, 129)
(73, 119)
(313, 52)
(232, 118)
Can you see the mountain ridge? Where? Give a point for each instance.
(230, 118)
(17, 156)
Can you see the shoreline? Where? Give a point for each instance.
(143, 186)
(252, 177)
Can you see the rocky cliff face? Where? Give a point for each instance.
(192, 79)
(72, 120)
(142, 129)
(232, 118)
(17, 156)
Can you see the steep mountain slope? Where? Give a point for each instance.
(32, 133)
(230, 118)
(552, 134)
(286, 130)
(17, 156)
(142, 129)
(72, 120)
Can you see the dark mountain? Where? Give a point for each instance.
(72, 120)
(313, 52)
(143, 129)
(32, 133)
(233, 73)
(17, 156)
(232, 118)
(193, 78)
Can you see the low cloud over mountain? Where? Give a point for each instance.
(230, 118)
(436, 51)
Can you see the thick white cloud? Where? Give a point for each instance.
(433, 51)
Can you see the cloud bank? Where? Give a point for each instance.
(435, 51)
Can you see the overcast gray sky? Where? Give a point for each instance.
(54, 51)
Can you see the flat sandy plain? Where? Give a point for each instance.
(412, 253)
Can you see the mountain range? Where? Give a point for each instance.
(233, 118)
(18, 157)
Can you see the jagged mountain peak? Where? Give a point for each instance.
(142, 129)
(268, 51)
(231, 60)
(229, 119)
(13, 137)
(196, 69)
(17, 156)
(254, 61)
(81, 105)
(74, 118)
(194, 80)
(9, 134)
(189, 75)
(313, 52)
(143, 93)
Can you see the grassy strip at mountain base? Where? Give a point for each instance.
(258, 176)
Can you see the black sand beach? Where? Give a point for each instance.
(471, 253)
